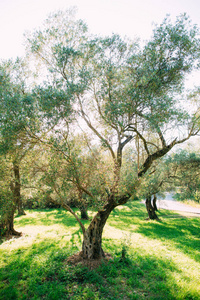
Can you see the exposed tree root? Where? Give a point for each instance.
(77, 258)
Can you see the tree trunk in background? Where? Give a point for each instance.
(10, 224)
(84, 214)
(150, 209)
(7, 225)
(154, 202)
(17, 190)
(81, 204)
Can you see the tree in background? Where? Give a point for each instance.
(7, 206)
(117, 92)
(155, 182)
(16, 113)
(186, 165)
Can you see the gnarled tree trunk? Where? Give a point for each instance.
(84, 214)
(154, 203)
(7, 225)
(150, 209)
(10, 224)
(92, 239)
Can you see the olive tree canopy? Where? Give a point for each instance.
(117, 92)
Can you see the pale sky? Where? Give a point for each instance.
(126, 17)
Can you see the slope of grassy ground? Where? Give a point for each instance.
(162, 258)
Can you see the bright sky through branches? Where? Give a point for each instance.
(132, 18)
(126, 17)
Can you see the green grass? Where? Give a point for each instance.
(162, 262)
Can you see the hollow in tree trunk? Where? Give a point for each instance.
(150, 209)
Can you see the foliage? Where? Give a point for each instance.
(16, 107)
(16, 116)
(185, 166)
(122, 92)
(115, 92)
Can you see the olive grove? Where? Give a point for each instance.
(96, 95)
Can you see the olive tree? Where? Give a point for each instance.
(117, 92)
(159, 178)
(15, 115)
(185, 167)
(7, 206)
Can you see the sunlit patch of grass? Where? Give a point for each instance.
(46, 217)
(162, 258)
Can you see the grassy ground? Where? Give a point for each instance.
(162, 262)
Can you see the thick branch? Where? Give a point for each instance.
(120, 148)
(142, 138)
(150, 159)
(80, 187)
(161, 136)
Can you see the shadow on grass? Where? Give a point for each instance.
(31, 273)
(47, 217)
(182, 233)
(40, 272)
(77, 237)
(129, 214)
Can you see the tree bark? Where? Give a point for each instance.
(154, 203)
(151, 212)
(10, 225)
(17, 190)
(7, 226)
(82, 205)
(92, 239)
(152, 157)
(84, 214)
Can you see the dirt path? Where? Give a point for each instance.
(186, 210)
